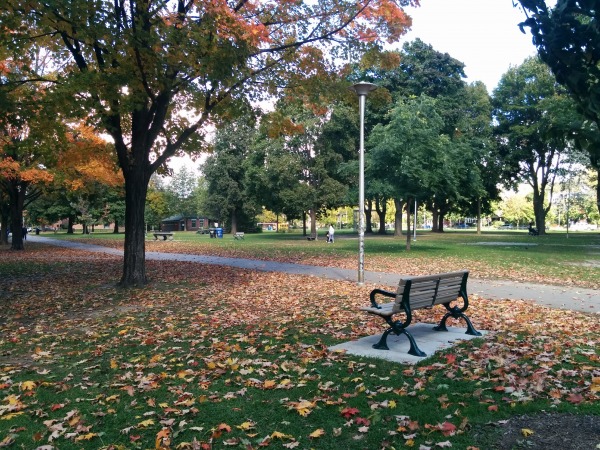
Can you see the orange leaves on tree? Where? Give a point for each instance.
(88, 158)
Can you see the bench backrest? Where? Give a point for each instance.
(429, 290)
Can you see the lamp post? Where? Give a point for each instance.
(362, 89)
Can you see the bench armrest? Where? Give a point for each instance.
(374, 292)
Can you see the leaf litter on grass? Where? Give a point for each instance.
(215, 356)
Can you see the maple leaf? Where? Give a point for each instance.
(447, 429)
(86, 437)
(445, 444)
(362, 421)
(304, 407)
(146, 423)
(527, 432)
(28, 385)
(246, 426)
(595, 388)
(317, 433)
(347, 413)
(279, 435)
(574, 398)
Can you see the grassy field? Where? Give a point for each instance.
(513, 255)
(227, 358)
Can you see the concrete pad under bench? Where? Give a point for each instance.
(429, 340)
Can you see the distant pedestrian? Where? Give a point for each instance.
(330, 234)
(24, 233)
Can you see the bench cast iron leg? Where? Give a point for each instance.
(396, 327)
(457, 314)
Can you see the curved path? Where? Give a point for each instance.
(573, 298)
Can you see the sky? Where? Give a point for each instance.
(483, 34)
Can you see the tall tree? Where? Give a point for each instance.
(133, 67)
(535, 117)
(182, 187)
(567, 37)
(412, 155)
(227, 198)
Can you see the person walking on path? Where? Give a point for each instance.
(330, 234)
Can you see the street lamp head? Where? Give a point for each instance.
(363, 88)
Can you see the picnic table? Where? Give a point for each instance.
(163, 234)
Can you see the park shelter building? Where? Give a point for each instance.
(186, 223)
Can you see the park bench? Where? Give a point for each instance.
(163, 234)
(312, 237)
(239, 235)
(421, 292)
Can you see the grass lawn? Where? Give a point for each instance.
(224, 357)
(552, 259)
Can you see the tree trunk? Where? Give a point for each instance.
(233, 222)
(134, 264)
(4, 220)
(435, 220)
(381, 211)
(399, 204)
(598, 188)
(408, 224)
(368, 211)
(539, 213)
(70, 225)
(304, 223)
(441, 216)
(313, 223)
(116, 227)
(479, 216)
(17, 199)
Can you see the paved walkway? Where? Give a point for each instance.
(567, 297)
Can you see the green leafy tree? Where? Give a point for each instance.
(517, 209)
(406, 151)
(227, 198)
(567, 37)
(535, 118)
(182, 187)
(466, 115)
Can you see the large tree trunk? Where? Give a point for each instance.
(116, 227)
(368, 211)
(399, 204)
(381, 212)
(134, 264)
